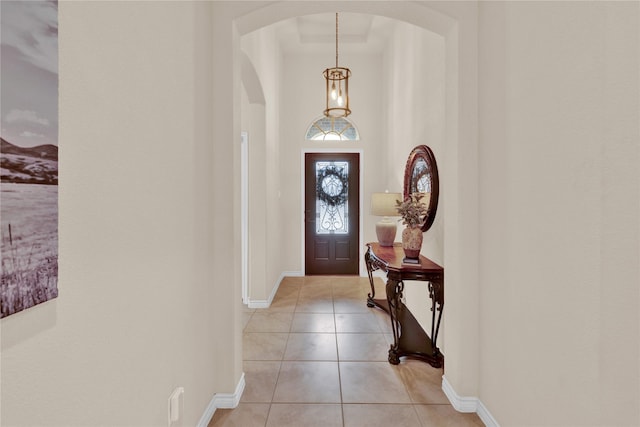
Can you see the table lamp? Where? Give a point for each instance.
(384, 204)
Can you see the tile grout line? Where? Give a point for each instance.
(335, 335)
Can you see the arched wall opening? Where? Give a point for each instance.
(458, 166)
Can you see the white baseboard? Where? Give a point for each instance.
(291, 274)
(222, 400)
(468, 404)
(267, 303)
(259, 303)
(486, 416)
(459, 403)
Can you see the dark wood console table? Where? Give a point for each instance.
(409, 339)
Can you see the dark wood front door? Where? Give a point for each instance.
(332, 184)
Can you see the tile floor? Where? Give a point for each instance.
(318, 357)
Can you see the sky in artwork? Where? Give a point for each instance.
(29, 72)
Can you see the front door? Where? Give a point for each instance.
(332, 184)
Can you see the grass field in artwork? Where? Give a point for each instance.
(29, 251)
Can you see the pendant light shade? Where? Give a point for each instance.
(337, 87)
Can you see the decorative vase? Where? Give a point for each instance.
(412, 242)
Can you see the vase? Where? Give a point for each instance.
(412, 242)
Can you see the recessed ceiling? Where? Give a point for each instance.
(357, 33)
(322, 28)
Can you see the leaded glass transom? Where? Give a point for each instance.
(332, 129)
(332, 197)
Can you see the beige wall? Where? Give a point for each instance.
(559, 156)
(261, 122)
(415, 100)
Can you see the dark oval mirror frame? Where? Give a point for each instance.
(416, 171)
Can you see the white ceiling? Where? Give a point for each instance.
(357, 33)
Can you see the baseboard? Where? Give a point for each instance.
(459, 403)
(259, 303)
(222, 400)
(267, 303)
(291, 274)
(486, 416)
(468, 404)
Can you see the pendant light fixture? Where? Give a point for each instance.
(337, 87)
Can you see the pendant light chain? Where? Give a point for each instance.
(336, 39)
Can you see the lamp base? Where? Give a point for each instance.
(386, 232)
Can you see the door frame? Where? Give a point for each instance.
(360, 152)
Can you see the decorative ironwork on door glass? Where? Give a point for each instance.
(332, 197)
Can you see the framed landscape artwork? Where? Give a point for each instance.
(28, 154)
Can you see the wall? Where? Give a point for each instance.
(415, 96)
(559, 192)
(139, 272)
(265, 266)
(253, 122)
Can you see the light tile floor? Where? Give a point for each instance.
(318, 357)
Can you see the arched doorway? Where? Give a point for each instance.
(458, 26)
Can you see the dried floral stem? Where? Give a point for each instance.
(412, 210)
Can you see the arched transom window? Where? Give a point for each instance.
(332, 129)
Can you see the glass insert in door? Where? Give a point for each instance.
(332, 197)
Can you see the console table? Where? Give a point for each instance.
(409, 339)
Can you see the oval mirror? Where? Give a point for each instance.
(421, 176)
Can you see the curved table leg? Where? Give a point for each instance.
(394, 290)
(437, 301)
(370, 269)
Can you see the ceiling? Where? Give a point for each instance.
(357, 33)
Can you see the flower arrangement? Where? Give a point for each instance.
(412, 210)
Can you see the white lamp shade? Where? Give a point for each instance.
(384, 204)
